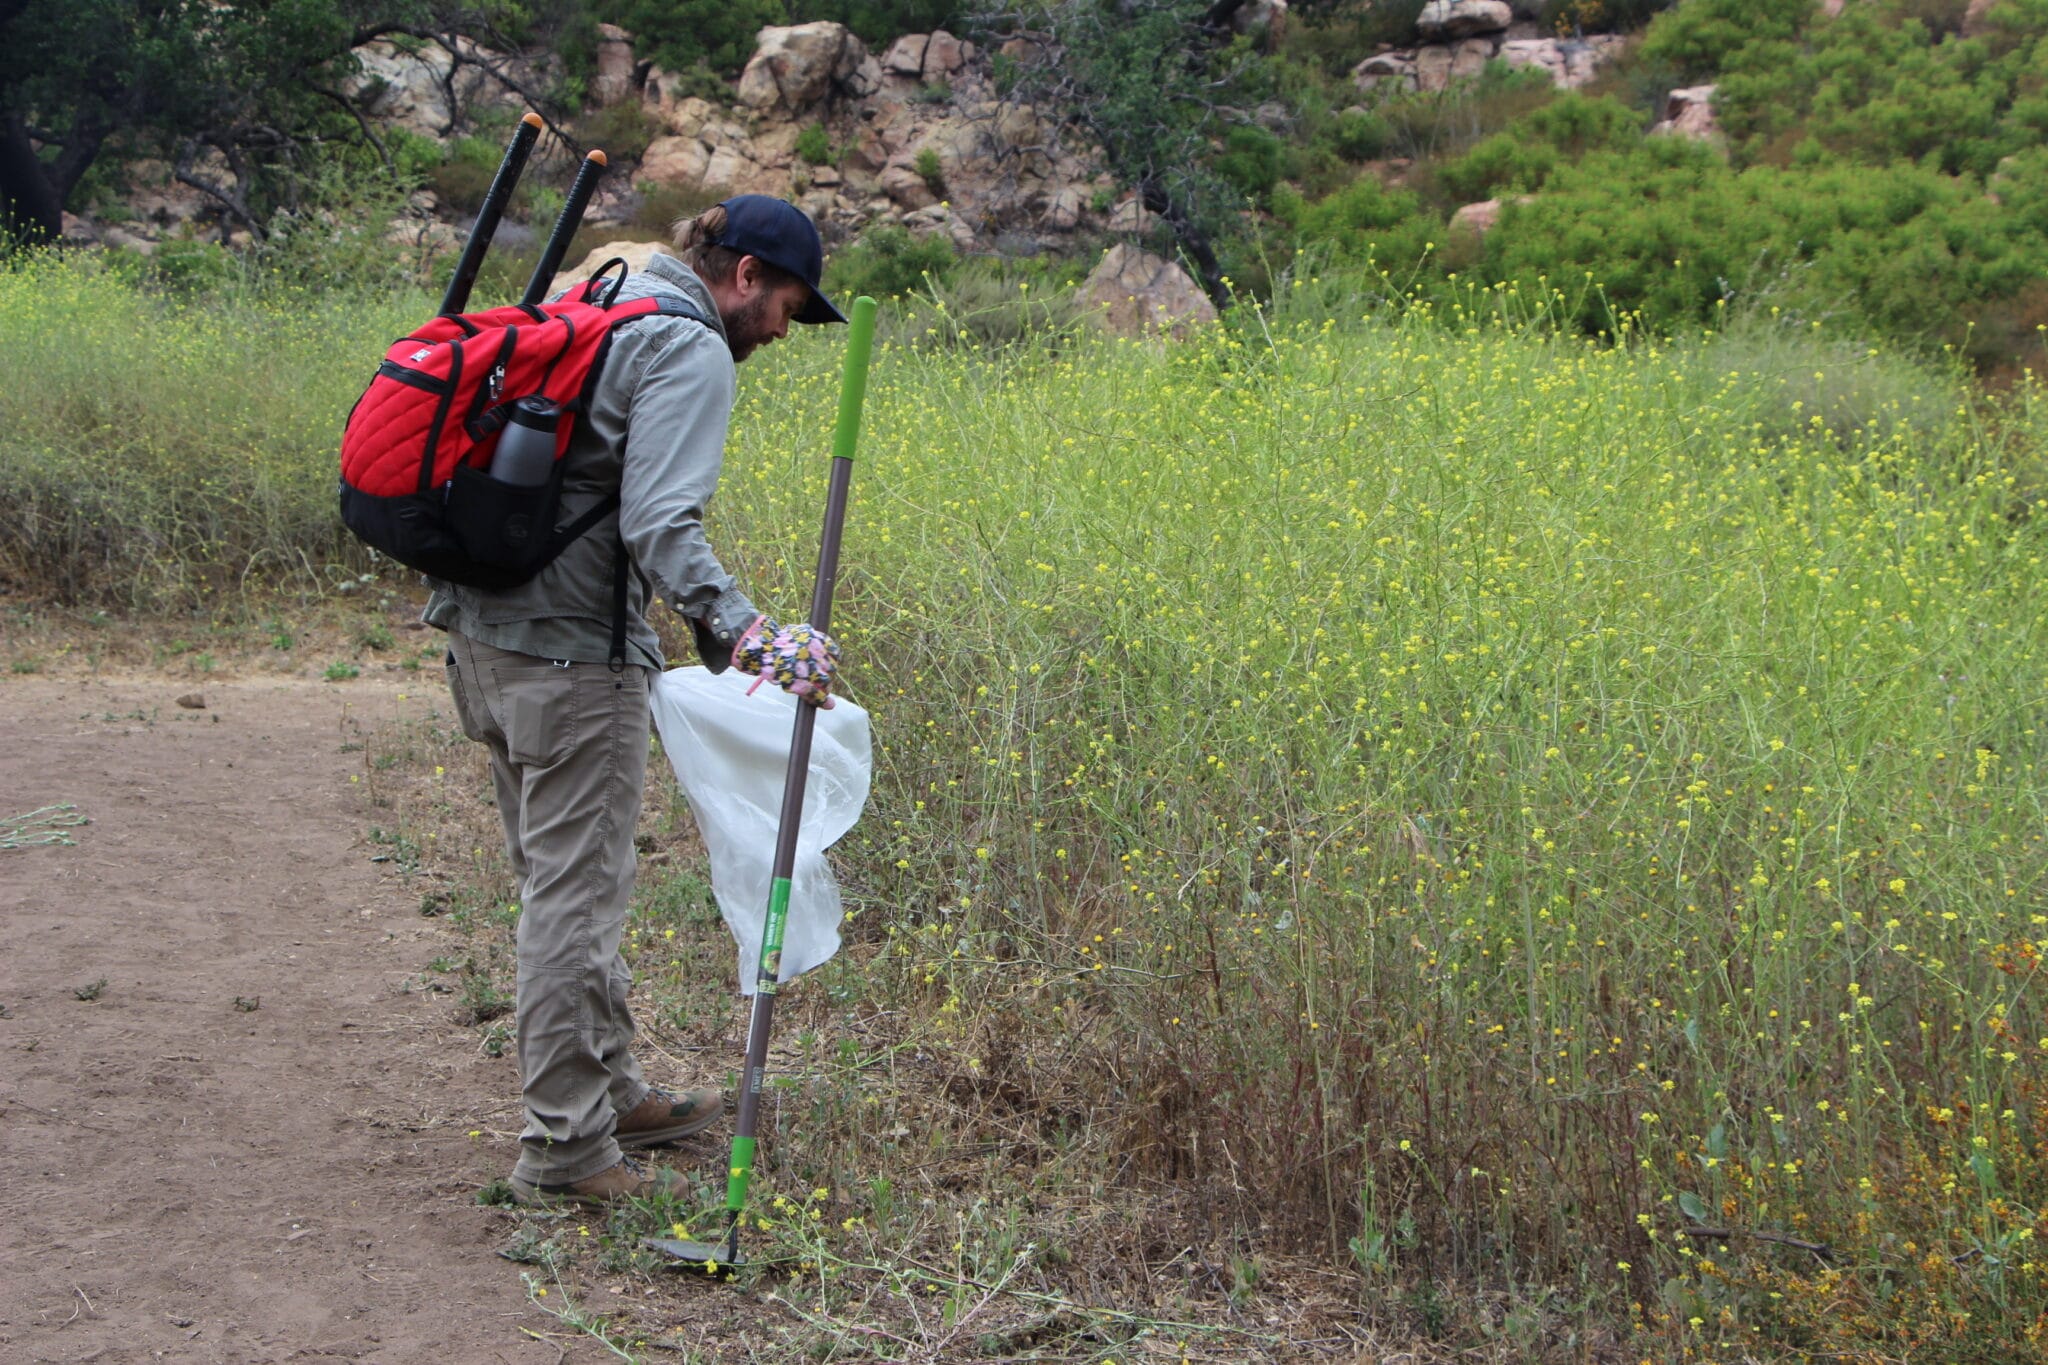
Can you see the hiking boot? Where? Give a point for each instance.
(663, 1117)
(627, 1180)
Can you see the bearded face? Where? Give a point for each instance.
(763, 317)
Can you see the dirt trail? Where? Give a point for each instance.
(187, 1180)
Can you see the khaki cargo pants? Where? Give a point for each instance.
(568, 753)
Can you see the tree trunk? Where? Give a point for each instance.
(1173, 210)
(31, 209)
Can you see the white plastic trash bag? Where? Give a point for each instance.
(730, 752)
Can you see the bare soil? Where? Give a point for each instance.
(255, 1143)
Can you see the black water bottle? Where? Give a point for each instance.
(526, 451)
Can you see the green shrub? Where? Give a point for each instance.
(1670, 231)
(888, 262)
(413, 156)
(680, 34)
(878, 22)
(1444, 123)
(1335, 35)
(813, 147)
(1522, 156)
(1251, 161)
(185, 266)
(926, 164)
(1360, 135)
(624, 130)
(988, 304)
(462, 180)
(1882, 82)
(1599, 16)
(1699, 39)
(1365, 222)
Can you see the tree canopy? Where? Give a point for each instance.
(254, 82)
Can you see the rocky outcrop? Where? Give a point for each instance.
(1477, 219)
(1975, 17)
(635, 254)
(796, 69)
(1689, 113)
(423, 88)
(1133, 292)
(1444, 20)
(1254, 16)
(613, 83)
(920, 140)
(1569, 62)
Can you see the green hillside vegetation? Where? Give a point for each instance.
(1882, 173)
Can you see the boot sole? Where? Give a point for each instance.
(534, 1197)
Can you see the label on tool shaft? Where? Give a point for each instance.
(771, 937)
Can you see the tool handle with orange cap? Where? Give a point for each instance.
(486, 225)
(566, 224)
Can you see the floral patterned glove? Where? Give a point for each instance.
(797, 659)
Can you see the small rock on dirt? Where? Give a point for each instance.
(193, 701)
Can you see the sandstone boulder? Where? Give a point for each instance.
(683, 115)
(1483, 217)
(1269, 16)
(905, 56)
(1131, 216)
(636, 254)
(1433, 67)
(945, 55)
(1477, 219)
(1469, 57)
(1974, 17)
(1689, 113)
(1569, 62)
(675, 161)
(1443, 20)
(114, 235)
(614, 81)
(939, 220)
(906, 188)
(1396, 70)
(796, 69)
(1134, 292)
(1063, 209)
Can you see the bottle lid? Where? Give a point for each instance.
(536, 412)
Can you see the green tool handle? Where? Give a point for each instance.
(852, 391)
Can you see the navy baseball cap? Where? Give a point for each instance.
(781, 234)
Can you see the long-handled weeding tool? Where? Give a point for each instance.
(723, 1257)
(486, 225)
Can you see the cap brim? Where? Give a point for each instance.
(820, 309)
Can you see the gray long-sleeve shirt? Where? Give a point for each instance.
(655, 432)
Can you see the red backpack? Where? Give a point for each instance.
(416, 453)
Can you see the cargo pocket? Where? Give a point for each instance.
(537, 707)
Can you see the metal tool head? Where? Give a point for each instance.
(715, 1260)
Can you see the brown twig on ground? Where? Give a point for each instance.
(1820, 1249)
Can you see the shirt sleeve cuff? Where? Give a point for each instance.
(720, 627)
